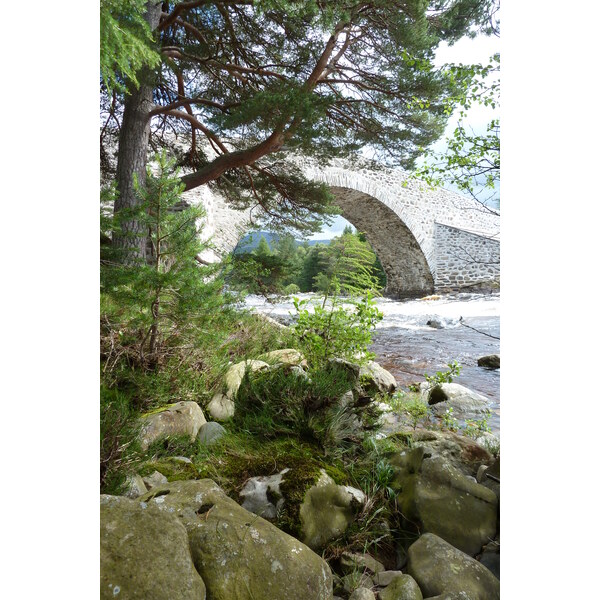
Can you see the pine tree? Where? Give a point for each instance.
(165, 298)
(259, 80)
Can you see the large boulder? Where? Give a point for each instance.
(182, 418)
(444, 501)
(375, 379)
(144, 553)
(239, 555)
(442, 570)
(327, 511)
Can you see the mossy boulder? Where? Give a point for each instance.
(441, 569)
(402, 587)
(327, 511)
(144, 553)
(443, 501)
(239, 555)
(181, 418)
(462, 452)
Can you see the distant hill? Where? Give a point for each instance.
(251, 241)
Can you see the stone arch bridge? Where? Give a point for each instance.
(428, 240)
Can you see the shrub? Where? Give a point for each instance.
(335, 330)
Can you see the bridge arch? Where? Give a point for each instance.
(426, 239)
(402, 258)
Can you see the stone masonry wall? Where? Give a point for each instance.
(465, 259)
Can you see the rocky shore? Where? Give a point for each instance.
(297, 485)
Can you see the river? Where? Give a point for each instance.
(465, 327)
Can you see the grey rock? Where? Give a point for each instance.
(287, 356)
(362, 593)
(375, 379)
(221, 407)
(182, 418)
(210, 433)
(144, 553)
(353, 561)
(439, 568)
(237, 553)
(154, 480)
(235, 374)
(326, 512)
(402, 587)
(444, 501)
(134, 486)
(262, 495)
(464, 402)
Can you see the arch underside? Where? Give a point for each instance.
(403, 260)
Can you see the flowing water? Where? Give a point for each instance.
(462, 327)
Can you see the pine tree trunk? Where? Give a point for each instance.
(133, 151)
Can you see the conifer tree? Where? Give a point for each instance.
(164, 299)
(259, 79)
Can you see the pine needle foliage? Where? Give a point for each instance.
(126, 43)
(168, 297)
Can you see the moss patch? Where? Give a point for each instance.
(238, 456)
(172, 468)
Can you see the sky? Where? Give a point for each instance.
(467, 51)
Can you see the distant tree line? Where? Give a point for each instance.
(288, 267)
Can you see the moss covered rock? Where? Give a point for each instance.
(441, 569)
(144, 553)
(239, 555)
(182, 418)
(402, 587)
(444, 501)
(461, 452)
(327, 511)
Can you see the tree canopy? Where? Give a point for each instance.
(251, 81)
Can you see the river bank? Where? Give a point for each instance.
(424, 335)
